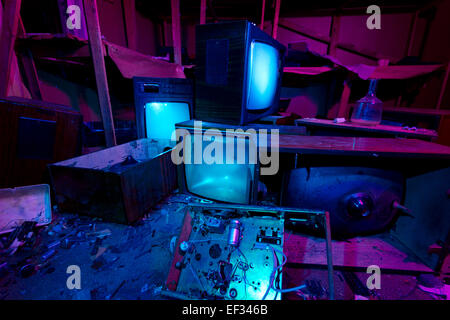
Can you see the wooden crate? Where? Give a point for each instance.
(119, 184)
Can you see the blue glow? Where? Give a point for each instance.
(228, 182)
(161, 117)
(222, 182)
(263, 74)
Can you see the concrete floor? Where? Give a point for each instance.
(131, 262)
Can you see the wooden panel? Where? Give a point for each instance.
(88, 192)
(354, 253)
(17, 171)
(427, 198)
(146, 184)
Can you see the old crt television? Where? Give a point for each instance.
(234, 181)
(160, 103)
(238, 73)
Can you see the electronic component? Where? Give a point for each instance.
(239, 263)
(234, 233)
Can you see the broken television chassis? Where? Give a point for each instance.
(235, 252)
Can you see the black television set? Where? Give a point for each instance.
(160, 103)
(238, 73)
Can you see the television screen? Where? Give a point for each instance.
(161, 117)
(222, 182)
(231, 180)
(263, 75)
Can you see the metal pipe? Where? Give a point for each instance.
(329, 255)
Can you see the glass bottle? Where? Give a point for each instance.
(368, 110)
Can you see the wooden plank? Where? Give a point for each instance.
(355, 146)
(412, 34)
(25, 58)
(380, 128)
(334, 35)
(176, 31)
(261, 26)
(97, 52)
(202, 11)
(276, 18)
(129, 9)
(10, 22)
(359, 252)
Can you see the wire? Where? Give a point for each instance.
(277, 268)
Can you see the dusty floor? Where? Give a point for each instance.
(131, 262)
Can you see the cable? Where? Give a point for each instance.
(277, 269)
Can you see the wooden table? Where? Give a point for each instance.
(361, 146)
(329, 127)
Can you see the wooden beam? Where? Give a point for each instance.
(334, 35)
(202, 11)
(25, 58)
(129, 11)
(96, 45)
(176, 30)
(10, 22)
(261, 26)
(412, 34)
(276, 18)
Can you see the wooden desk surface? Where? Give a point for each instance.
(394, 130)
(392, 147)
